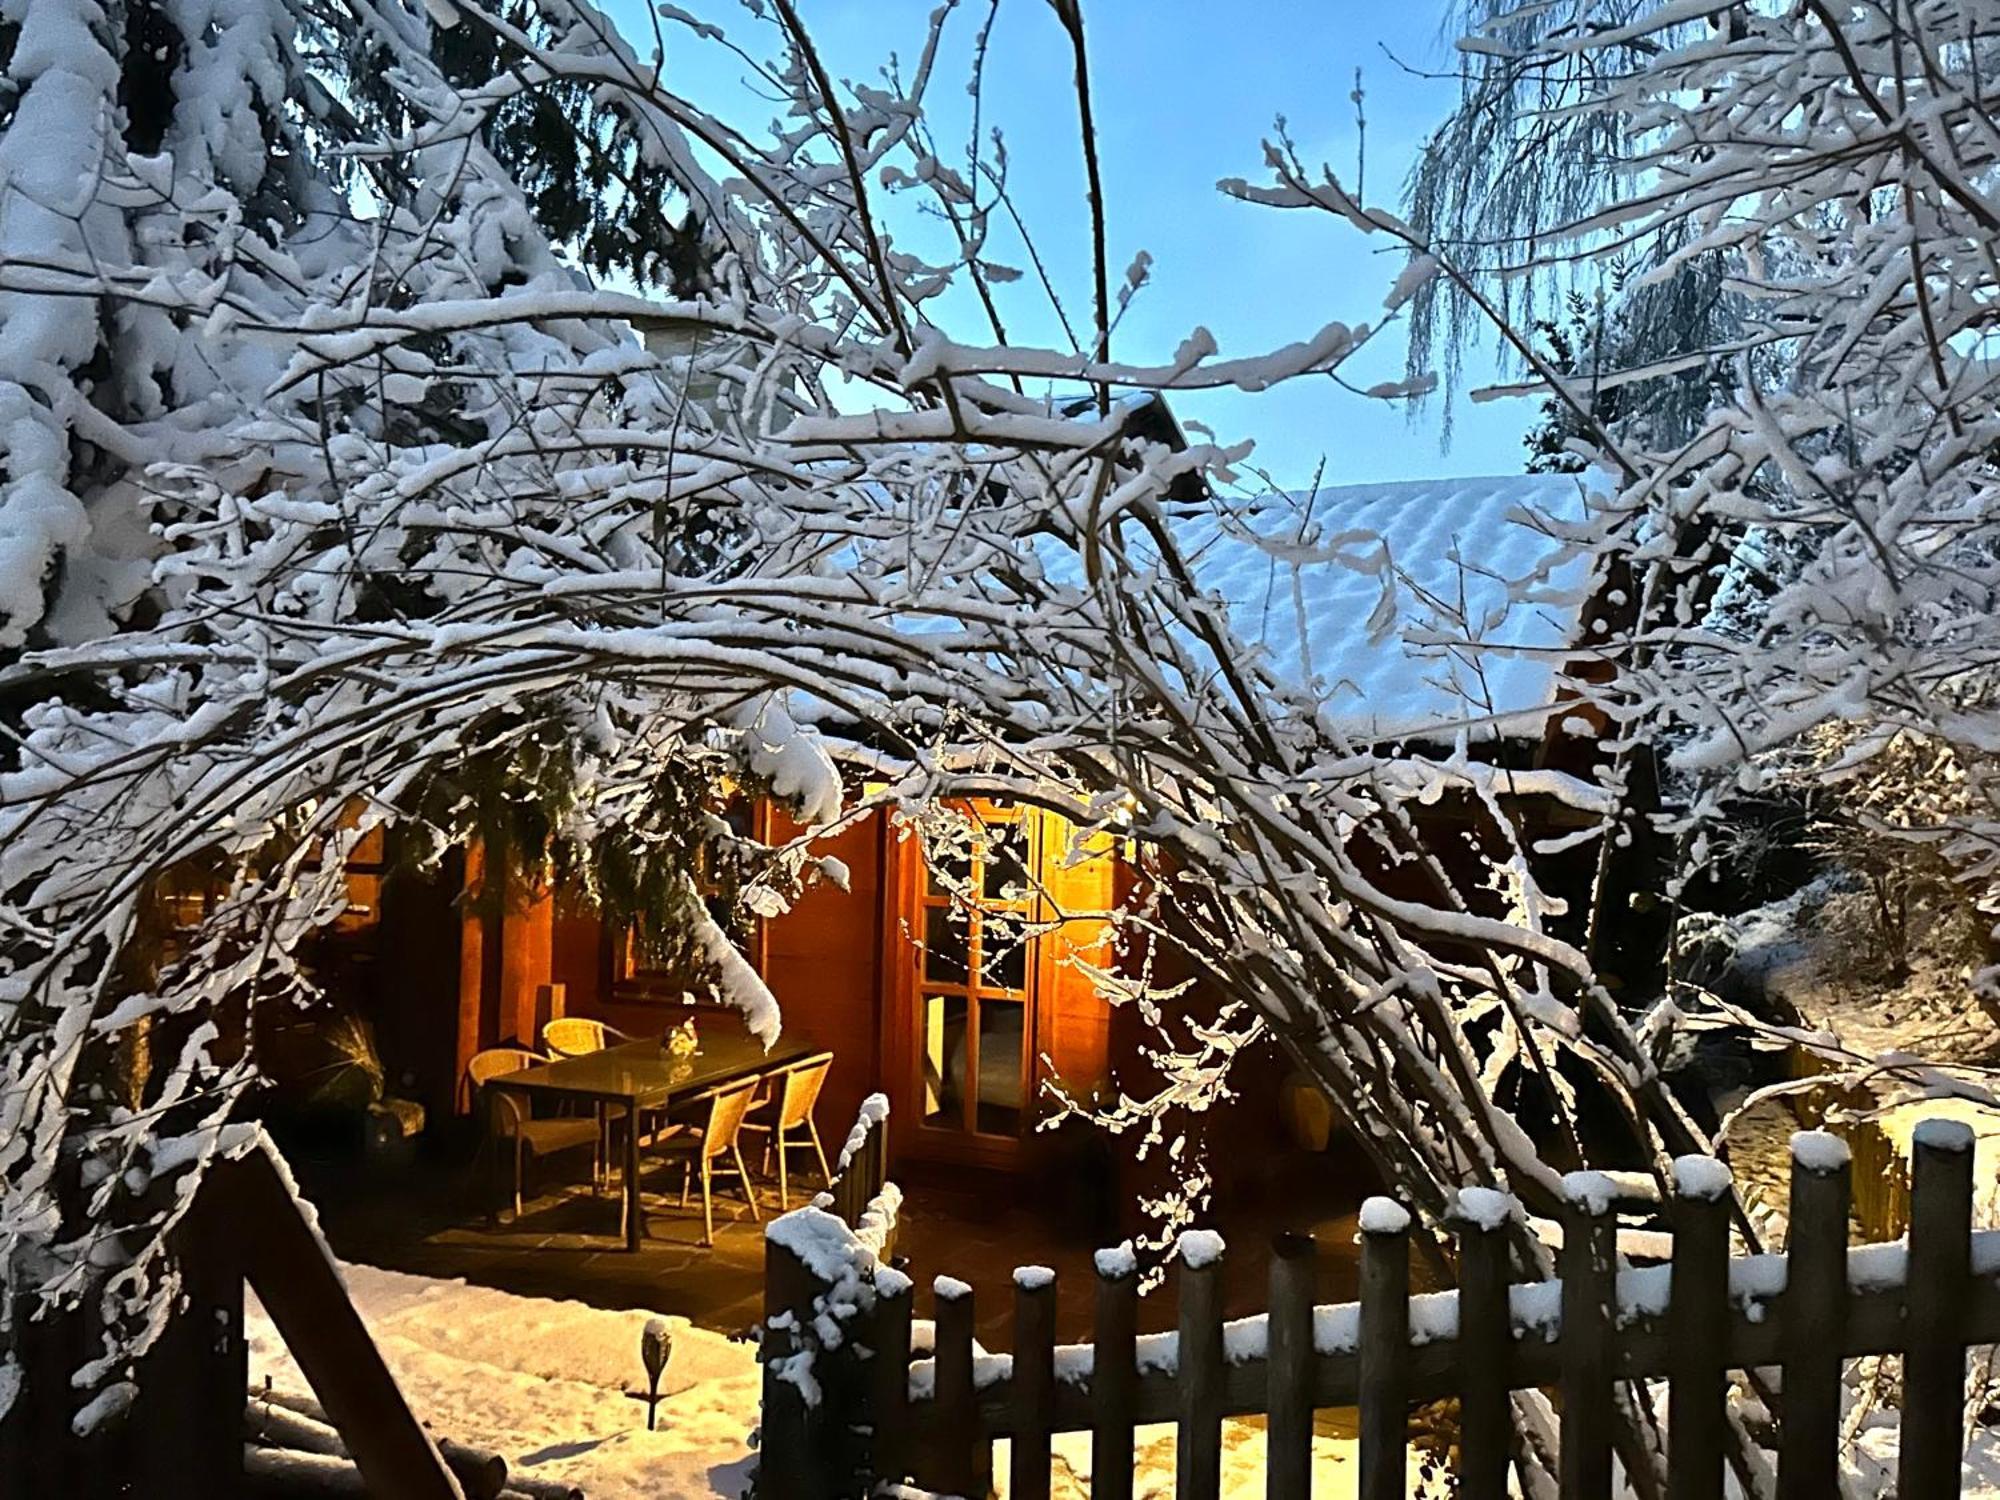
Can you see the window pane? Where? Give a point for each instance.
(945, 945)
(944, 1059)
(950, 874)
(1003, 956)
(1006, 871)
(1001, 1087)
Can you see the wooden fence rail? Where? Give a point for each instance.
(1583, 1338)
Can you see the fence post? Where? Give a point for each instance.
(965, 1457)
(1289, 1369)
(1385, 1350)
(1698, 1329)
(194, 1420)
(1589, 1287)
(1486, 1341)
(1034, 1381)
(40, 1453)
(785, 1464)
(1198, 1445)
(1114, 1374)
(1938, 1278)
(889, 1379)
(1814, 1310)
(865, 1167)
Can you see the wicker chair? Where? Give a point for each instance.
(793, 1110)
(575, 1036)
(508, 1117)
(578, 1036)
(703, 1147)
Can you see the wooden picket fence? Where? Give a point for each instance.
(1584, 1338)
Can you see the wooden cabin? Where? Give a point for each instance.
(959, 1019)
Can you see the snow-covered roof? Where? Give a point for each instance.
(1393, 570)
(1392, 580)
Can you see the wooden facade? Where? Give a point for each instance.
(459, 966)
(454, 965)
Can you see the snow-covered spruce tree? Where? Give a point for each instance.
(185, 190)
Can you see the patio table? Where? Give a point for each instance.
(642, 1075)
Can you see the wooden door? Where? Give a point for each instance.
(965, 982)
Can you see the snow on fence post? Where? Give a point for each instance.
(836, 1332)
(1114, 1373)
(1486, 1340)
(1034, 1381)
(1936, 1287)
(1289, 1373)
(1814, 1317)
(1698, 1329)
(1589, 1325)
(1383, 1377)
(863, 1166)
(1198, 1444)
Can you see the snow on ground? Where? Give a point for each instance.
(1872, 1464)
(1818, 959)
(1820, 951)
(543, 1383)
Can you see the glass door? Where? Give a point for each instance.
(974, 1024)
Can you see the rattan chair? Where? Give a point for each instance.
(792, 1108)
(704, 1146)
(508, 1118)
(577, 1036)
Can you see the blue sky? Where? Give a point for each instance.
(1185, 93)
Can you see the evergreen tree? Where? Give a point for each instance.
(231, 166)
(581, 159)
(255, 401)
(1605, 344)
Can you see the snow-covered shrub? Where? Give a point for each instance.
(1912, 815)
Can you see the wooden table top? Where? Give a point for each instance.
(642, 1072)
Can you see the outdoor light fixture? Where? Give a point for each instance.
(656, 1347)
